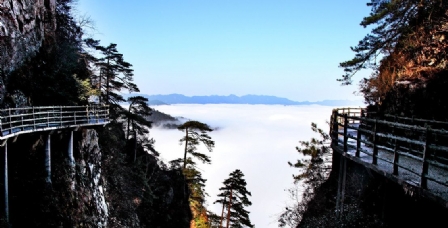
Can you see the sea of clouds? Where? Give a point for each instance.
(257, 139)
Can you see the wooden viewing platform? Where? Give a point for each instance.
(411, 152)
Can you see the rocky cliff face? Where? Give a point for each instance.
(77, 196)
(90, 184)
(23, 26)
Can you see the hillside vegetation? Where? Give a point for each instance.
(407, 50)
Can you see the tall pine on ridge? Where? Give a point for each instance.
(234, 197)
(115, 74)
(196, 132)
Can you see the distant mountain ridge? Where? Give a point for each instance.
(233, 99)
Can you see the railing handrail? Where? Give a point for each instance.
(383, 135)
(396, 124)
(40, 118)
(53, 107)
(413, 119)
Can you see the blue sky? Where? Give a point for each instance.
(286, 48)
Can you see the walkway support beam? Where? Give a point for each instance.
(6, 184)
(48, 159)
(71, 161)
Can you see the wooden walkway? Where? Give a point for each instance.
(15, 121)
(411, 152)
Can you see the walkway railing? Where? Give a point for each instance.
(416, 153)
(16, 121)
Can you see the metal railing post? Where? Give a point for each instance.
(358, 141)
(335, 128)
(98, 114)
(345, 133)
(88, 113)
(34, 120)
(10, 122)
(375, 147)
(396, 158)
(48, 118)
(425, 165)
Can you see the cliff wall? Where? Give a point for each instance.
(23, 26)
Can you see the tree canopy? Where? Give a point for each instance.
(136, 115)
(312, 171)
(195, 133)
(407, 41)
(234, 198)
(114, 73)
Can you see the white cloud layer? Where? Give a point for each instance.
(257, 139)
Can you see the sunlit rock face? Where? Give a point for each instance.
(91, 187)
(23, 26)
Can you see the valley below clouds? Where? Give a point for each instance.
(257, 139)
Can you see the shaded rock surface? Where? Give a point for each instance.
(23, 26)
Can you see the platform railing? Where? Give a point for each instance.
(420, 150)
(14, 121)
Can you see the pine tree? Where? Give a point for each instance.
(136, 119)
(312, 164)
(195, 133)
(234, 198)
(213, 220)
(313, 172)
(115, 74)
(408, 41)
(135, 115)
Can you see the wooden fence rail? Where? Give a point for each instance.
(412, 148)
(16, 121)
